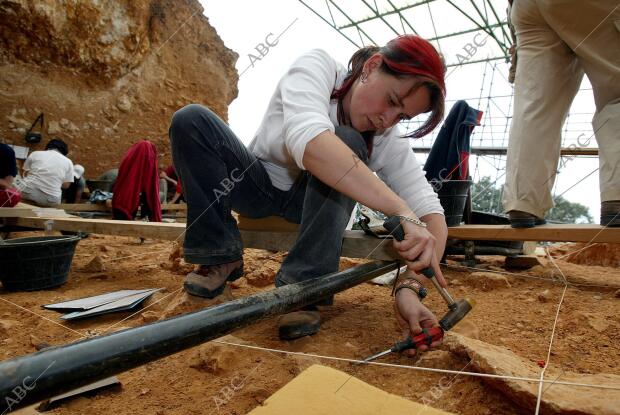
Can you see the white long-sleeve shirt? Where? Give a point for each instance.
(301, 109)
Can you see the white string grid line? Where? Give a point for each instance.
(420, 368)
(555, 323)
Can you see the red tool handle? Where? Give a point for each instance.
(427, 337)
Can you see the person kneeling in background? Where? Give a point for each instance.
(46, 173)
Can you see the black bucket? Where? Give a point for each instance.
(36, 263)
(453, 196)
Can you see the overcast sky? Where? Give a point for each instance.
(246, 25)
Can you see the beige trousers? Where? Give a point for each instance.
(557, 41)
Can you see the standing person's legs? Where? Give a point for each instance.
(218, 174)
(316, 252)
(547, 78)
(595, 39)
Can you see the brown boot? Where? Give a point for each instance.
(300, 323)
(610, 213)
(209, 280)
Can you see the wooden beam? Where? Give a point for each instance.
(355, 243)
(551, 233)
(15, 212)
(84, 207)
(93, 207)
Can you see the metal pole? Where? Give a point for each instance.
(31, 378)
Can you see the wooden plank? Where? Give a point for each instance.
(323, 390)
(552, 233)
(355, 243)
(180, 207)
(93, 207)
(156, 230)
(15, 212)
(271, 223)
(83, 207)
(20, 210)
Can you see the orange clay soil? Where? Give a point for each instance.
(516, 312)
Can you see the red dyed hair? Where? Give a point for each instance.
(405, 56)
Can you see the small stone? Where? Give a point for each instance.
(38, 343)
(123, 103)
(550, 273)
(5, 328)
(487, 281)
(144, 391)
(95, 265)
(64, 123)
(240, 283)
(213, 358)
(100, 276)
(521, 262)
(260, 395)
(519, 325)
(597, 297)
(617, 294)
(544, 296)
(149, 316)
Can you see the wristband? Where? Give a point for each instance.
(413, 285)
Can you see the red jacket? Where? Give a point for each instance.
(138, 174)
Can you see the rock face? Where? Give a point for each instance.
(556, 399)
(107, 74)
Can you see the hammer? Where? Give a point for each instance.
(457, 309)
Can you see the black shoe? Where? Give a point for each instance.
(210, 281)
(519, 219)
(305, 322)
(610, 213)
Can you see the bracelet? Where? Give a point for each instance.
(413, 285)
(413, 220)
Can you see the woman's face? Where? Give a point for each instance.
(383, 100)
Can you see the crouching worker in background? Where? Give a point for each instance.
(47, 173)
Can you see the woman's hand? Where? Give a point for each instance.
(418, 250)
(413, 316)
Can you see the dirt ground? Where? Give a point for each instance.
(516, 312)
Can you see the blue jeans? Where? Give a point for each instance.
(219, 174)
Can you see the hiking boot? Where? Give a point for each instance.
(209, 280)
(304, 322)
(519, 219)
(610, 213)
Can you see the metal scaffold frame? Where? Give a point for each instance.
(357, 21)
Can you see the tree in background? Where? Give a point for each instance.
(486, 197)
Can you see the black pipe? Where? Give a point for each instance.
(31, 378)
